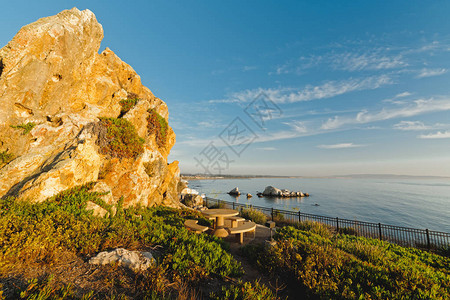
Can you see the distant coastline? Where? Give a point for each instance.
(215, 177)
(349, 176)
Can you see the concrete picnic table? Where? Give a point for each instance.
(220, 214)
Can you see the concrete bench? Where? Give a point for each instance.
(193, 226)
(239, 231)
(235, 221)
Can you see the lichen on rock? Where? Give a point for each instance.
(82, 119)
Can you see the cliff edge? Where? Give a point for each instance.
(70, 116)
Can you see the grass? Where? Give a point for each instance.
(158, 125)
(337, 266)
(26, 127)
(121, 139)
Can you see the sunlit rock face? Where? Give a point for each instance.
(54, 88)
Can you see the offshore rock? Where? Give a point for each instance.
(234, 191)
(54, 87)
(271, 191)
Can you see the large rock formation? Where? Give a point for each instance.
(56, 93)
(271, 191)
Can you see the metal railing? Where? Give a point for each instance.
(404, 236)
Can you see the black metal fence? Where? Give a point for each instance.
(404, 236)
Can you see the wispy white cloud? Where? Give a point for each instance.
(366, 61)
(431, 72)
(356, 56)
(418, 125)
(297, 126)
(340, 146)
(395, 99)
(435, 45)
(371, 59)
(437, 135)
(209, 124)
(229, 100)
(411, 125)
(328, 89)
(267, 148)
(403, 95)
(249, 68)
(414, 108)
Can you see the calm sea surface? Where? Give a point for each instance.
(418, 203)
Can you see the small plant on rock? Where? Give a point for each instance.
(120, 139)
(5, 157)
(158, 125)
(26, 127)
(127, 104)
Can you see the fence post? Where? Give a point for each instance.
(428, 239)
(299, 217)
(233, 205)
(337, 224)
(271, 213)
(379, 231)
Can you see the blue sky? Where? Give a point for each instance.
(330, 87)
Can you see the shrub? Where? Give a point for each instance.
(26, 127)
(444, 250)
(158, 125)
(278, 216)
(121, 139)
(348, 230)
(255, 215)
(217, 205)
(314, 227)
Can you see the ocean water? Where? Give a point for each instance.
(417, 203)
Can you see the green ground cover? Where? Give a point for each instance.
(325, 265)
(35, 235)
